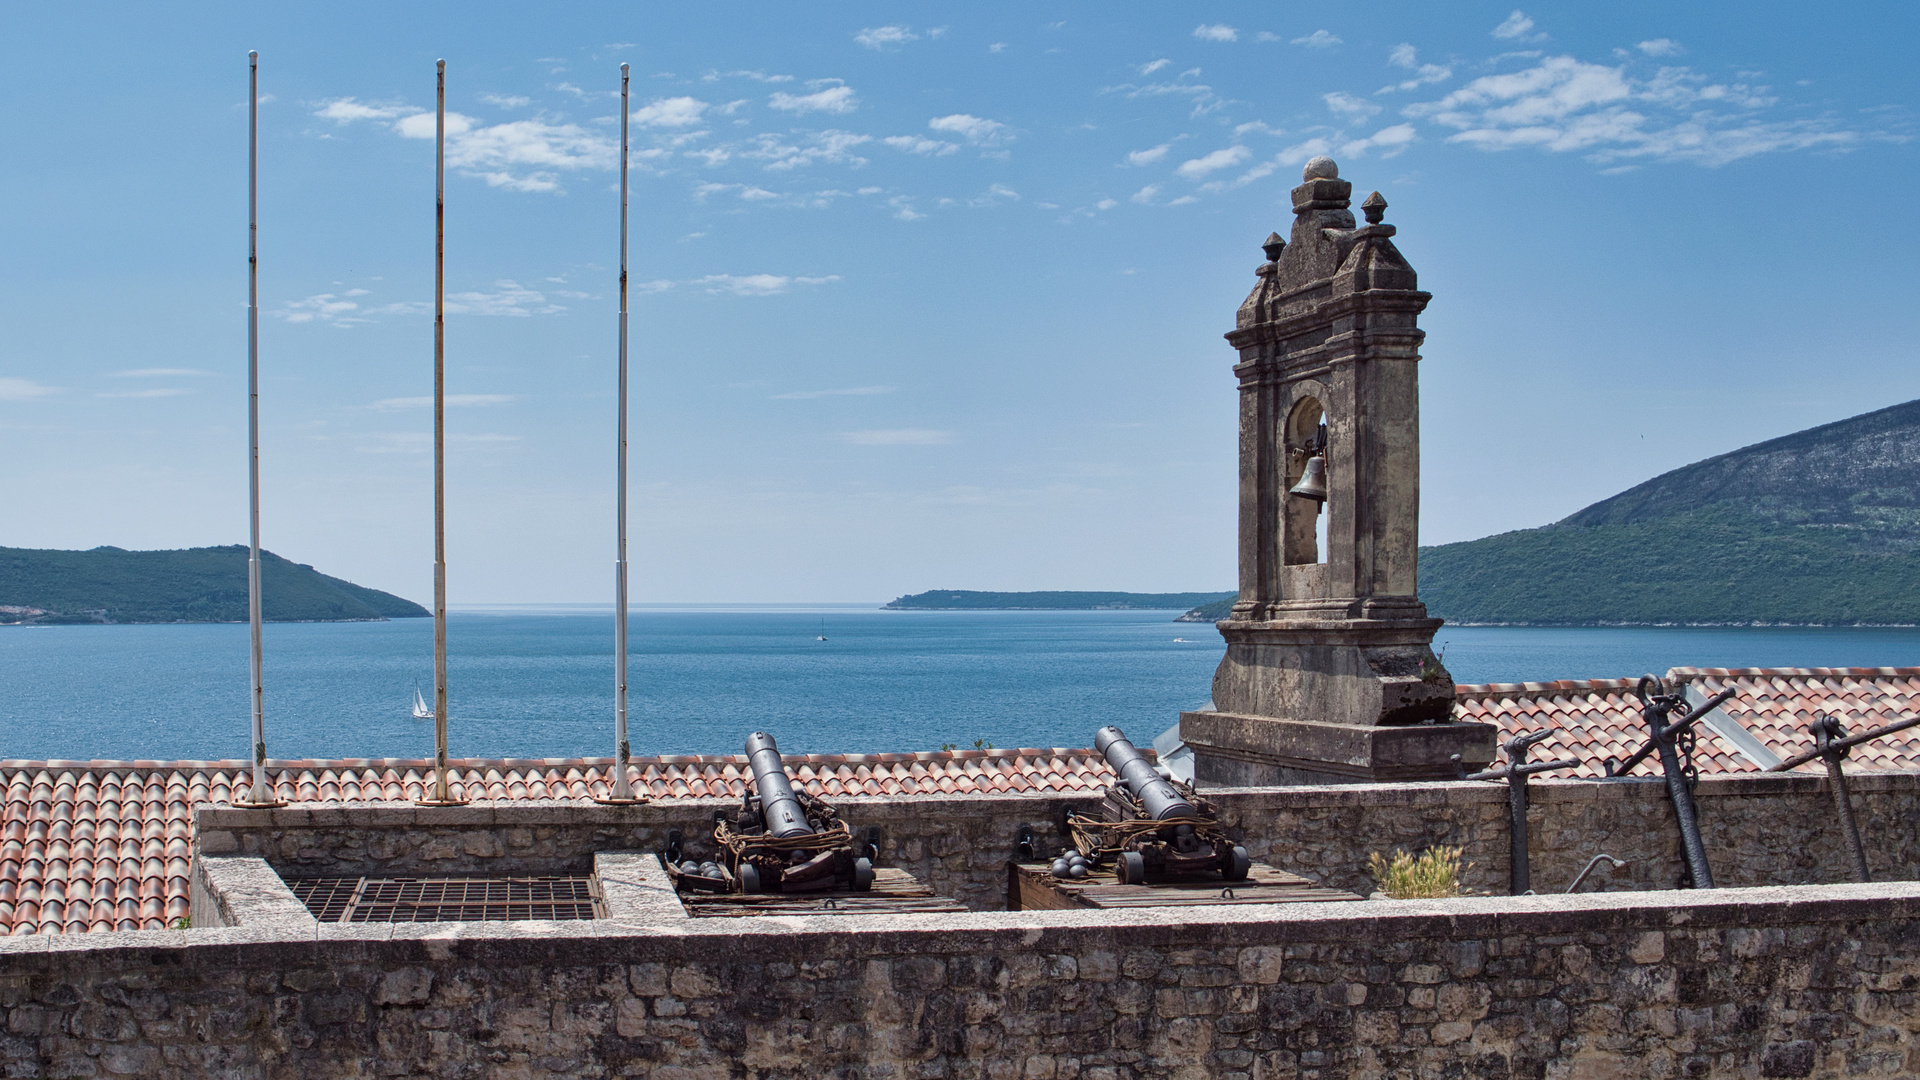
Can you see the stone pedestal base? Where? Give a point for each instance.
(1236, 750)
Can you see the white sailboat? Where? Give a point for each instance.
(420, 709)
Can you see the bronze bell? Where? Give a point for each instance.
(1313, 481)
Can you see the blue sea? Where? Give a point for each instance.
(538, 682)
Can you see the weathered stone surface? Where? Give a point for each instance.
(1801, 981)
(1329, 342)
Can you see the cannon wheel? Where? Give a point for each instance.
(1131, 868)
(1241, 865)
(862, 874)
(749, 877)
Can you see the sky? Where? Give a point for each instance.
(925, 296)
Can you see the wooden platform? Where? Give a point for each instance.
(1031, 887)
(894, 892)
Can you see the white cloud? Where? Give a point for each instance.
(758, 284)
(756, 76)
(998, 46)
(975, 130)
(423, 125)
(1149, 155)
(1219, 159)
(994, 196)
(851, 391)
(1259, 126)
(1319, 39)
(162, 373)
(454, 401)
(524, 155)
(903, 208)
(676, 112)
(1145, 195)
(898, 437)
(152, 392)
(1563, 104)
(1403, 56)
(1106, 204)
(321, 307)
(12, 389)
(504, 153)
(1348, 107)
(1660, 47)
(1199, 93)
(346, 110)
(885, 37)
(507, 101)
(1216, 32)
(1389, 141)
(833, 99)
(1184, 200)
(1517, 27)
(1153, 65)
(508, 298)
(830, 146)
(916, 144)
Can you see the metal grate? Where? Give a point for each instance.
(390, 900)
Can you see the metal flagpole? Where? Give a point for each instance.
(261, 795)
(441, 792)
(622, 789)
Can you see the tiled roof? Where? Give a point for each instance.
(107, 845)
(1597, 719)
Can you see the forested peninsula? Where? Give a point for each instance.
(1817, 528)
(193, 585)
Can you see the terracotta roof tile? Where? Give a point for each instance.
(103, 845)
(1595, 719)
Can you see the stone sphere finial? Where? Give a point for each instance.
(1375, 208)
(1320, 168)
(1273, 245)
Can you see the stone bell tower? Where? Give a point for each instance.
(1330, 676)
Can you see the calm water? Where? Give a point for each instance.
(539, 683)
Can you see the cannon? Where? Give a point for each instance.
(781, 840)
(1151, 826)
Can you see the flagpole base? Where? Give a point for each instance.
(249, 804)
(631, 800)
(429, 801)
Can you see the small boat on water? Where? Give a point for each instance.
(823, 631)
(420, 710)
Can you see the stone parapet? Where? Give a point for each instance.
(1790, 981)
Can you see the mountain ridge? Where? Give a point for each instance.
(1820, 527)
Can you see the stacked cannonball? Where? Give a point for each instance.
(1072, 865)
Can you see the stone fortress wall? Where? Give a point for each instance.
(1791, 977)
(1759, 830)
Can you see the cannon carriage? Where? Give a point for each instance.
(782, 840)
(1152, 826)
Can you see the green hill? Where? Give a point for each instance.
(109, 584)
(1819, 527)
(965, 600)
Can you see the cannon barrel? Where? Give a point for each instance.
(1161, 799)
(782, 811)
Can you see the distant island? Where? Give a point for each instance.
(967, 600)
(193, 585)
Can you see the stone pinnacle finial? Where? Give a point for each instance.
(1375, 208)
(1320, 168)
(1273, 246)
